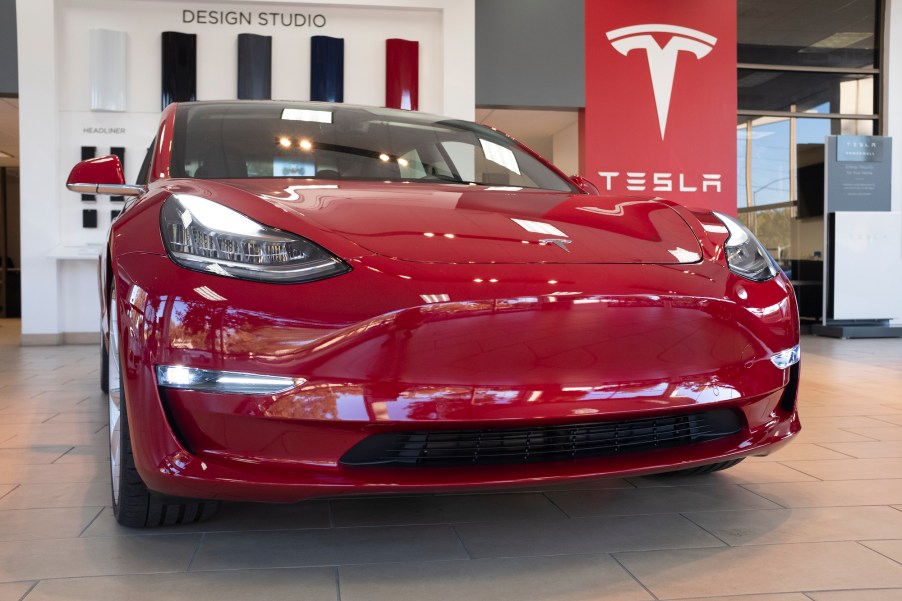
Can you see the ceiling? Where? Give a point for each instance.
(800, 23)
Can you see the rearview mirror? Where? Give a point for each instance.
(102, 175)
(584, 185)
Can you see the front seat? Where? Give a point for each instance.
(220, 162)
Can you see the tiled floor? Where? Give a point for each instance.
(819, 521)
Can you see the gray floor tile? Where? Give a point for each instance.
(890, 548)
(70, 557)
(868, 450)
(892, 419)
(887, 594)
(570, 578)
(63, 522)
(100, 417)
(774, 597)
(762, 569)
(32, 455)
(31, 439)
(850, 469)
(747, 472)
(54, 473)
(305, 584)
(86, 454)
(860, 409)
(32, 496)
(888, 434)
(831, 494)
(819, 435)
(801, 525)
(13, 591)
(385, 511)
(658, 500)
(582, 535)
(844, 422)
(298, 548)
(232, 517)
(9, 417)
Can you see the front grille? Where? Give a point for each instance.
(448, 448)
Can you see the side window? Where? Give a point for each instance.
(145, 165)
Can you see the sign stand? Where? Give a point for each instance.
(863, 257)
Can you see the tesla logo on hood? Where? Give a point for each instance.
(561, 243)
(662, 61)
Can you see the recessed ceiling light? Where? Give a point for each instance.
(841, 39)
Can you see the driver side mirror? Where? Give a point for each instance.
(584, 185)
(102, 175)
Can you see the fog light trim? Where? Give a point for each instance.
(223, 382)
(787, 358)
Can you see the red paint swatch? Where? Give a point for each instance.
(402, 74)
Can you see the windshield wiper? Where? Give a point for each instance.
(447, 178)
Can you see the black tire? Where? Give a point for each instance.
(706, 469)
(140, 508)
(104, 367)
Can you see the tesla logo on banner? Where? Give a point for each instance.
(660, 112)
(662, 62)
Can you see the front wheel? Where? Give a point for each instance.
(133, 504)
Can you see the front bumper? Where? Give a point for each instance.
(524, 361)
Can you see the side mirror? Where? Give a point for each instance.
(584, 185)
(102, 175)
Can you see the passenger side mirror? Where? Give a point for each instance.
(584, 185)
(102, 175)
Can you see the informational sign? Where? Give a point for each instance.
(858, 173)
(660, 116)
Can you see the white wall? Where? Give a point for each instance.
(59, 295)
(565, 149)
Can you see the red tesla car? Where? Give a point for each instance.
(305, 300)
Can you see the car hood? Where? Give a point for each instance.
(455, 223)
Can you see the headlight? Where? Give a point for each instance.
(745, 255)
(206, 236)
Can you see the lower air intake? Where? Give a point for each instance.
(449, 448)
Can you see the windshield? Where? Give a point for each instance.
(335, 142)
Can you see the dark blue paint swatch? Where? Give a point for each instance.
(327, 69)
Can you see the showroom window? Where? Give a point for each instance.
(806, 70)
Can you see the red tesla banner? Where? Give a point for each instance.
(660, 115)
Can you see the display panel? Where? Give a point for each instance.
(107, 69)
(254, 67)
(89, 218)
(327, 65)
(119, 151)
(402, 74)
(88, 152)
(179, 67)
